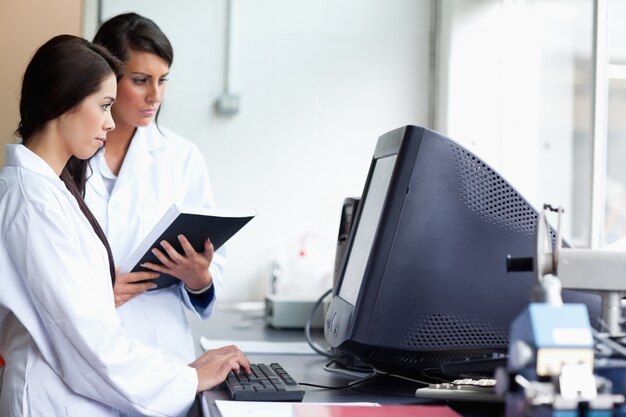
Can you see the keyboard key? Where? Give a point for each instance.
(266, 383)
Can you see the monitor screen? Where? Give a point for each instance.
(423, 279)
(364, 236)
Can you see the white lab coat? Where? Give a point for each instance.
(66, 351)
(158, 170)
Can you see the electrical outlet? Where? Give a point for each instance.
(227, 104)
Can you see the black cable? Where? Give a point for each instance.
(307, 329)
(329, 352)
(359, 381)
(345, 370)
(436, 379)
(398, 376)
(349, 385)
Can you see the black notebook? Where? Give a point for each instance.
(197, 224)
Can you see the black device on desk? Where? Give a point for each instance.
(348, 213)
(265, 383)
(423, 281)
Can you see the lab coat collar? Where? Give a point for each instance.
(152, 139)
(94, 177)
(139, 155)
(19, 155)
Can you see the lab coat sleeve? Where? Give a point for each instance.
(200, 194)
(216, 273)
(83, 340)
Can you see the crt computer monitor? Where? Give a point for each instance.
(423, 280)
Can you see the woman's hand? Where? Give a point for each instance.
(191, 267)
(212, 353)
(127, 285)
(214, 365)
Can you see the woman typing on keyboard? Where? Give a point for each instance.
(65, 350)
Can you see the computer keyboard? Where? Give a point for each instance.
(265, 383)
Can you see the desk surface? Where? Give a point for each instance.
(235, 325)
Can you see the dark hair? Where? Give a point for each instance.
(61, 74)
(130, 31)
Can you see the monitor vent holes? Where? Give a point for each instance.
(412, 360)
(452, 331)
(490, 196)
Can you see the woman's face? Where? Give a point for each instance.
(84, 128)
(140, 90)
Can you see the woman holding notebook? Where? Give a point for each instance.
(65, 349)
(136, 177)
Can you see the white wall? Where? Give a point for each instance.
(490, 70)
(510, 71)
(319, 81)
